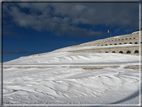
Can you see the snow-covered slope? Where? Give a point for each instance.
(65, 58)
(62, 56)
(65, 85)
(53, 78)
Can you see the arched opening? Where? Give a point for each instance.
(130, 43)
(122, 39)
(125, 43)
(129, 38)
(128, 52)
(113, 52)
(136, 42)
(120, 51)
(120, 43)
(136, 51)
(134, 38)
(106, 44)
(110, 44)
(115, 44)
(141, 42)
(106, 51)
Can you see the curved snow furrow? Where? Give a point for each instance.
(17, 91)
(84, 90)
(63, 84)
(67, 57)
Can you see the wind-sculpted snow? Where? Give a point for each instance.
(54, 78)
(72, 58)
(65, 85)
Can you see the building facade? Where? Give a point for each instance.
(124, 44)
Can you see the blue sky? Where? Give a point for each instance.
(31, 28)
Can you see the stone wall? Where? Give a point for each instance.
(117, 40)
(123, 50)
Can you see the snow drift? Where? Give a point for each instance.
(57, 82)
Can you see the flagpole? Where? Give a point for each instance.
(109, 31)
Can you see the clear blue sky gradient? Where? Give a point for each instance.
(31, 28)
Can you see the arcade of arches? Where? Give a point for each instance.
(123, 44)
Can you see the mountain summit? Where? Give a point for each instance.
(76, 75)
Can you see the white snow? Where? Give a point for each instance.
(117, 37)
(60, 84)
(92, 47)
(68, 58)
